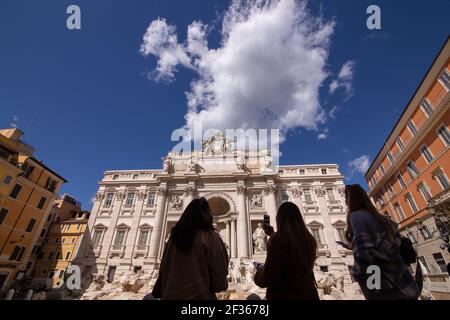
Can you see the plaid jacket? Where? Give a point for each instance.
(373, 244)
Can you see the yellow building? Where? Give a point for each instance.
(64, 243)
(24, 207)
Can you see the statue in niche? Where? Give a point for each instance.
(259, 239)
(240, 161)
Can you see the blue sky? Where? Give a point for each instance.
(86, 103)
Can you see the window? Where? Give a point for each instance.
(411, 237)
(30, 225)
(17, 254)
(308, 197)
(3, 214)
(399, 211)
(68, 255)
(284, 196)
(324, 269)
(27, 170)
(50, 256)
(151, 199)
(412, 127)
(444, 134)
(97, 237)
(50, 185)
(316, 233)
(58, 255)
(43, 233)
(61, 274)
(400, 180)
(63, 240)
(443, 181)
(426, 153)
(424, 191)
(302, 171)
(135, 176)
(424, 264)
(7, 179)
(390, 157)
(391, 190)
(57, 240)
(409, 198)
(427, 108)
(130, 198)
(41, 203)
(324, 171)
(412, 169)
(115, 177)
(444, 78)
(73, 240)
(426, 234)
(380, 200)
(49, 218)
(330, 194)
(15, 191)
(109, 198)
(120, 237)
(51, 274)
(341, 234)
(439, 259)
(143, 238)
(400, 144)
(382, 169)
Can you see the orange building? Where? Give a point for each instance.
(31, 188)
(409, 178)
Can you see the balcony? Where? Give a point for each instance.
(141, 251)
(117, 250)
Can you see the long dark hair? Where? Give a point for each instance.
(290, 222)
(196, 216)
(356, 199)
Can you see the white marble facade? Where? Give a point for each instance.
(134, 210)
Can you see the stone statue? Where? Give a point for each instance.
(240, 161)
(260, 239)
(191, 166)
(167, 164)
(236, 272)
(268, 162)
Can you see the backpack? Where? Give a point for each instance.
(407, 251)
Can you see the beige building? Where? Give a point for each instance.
(64, 244)
(134, 210)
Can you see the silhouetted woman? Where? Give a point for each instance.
(291, 252)
(195, 260)
(375, 240)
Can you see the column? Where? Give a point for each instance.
(327, 233)
(159, 218)
(271, 204)
(242, 225)
(227, 234)
(233, 238)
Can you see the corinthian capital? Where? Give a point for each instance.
(241, 189)
(161, 191)
(99, 196)
(142, 195)
(320, 192)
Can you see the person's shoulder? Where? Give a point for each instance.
(361, 216)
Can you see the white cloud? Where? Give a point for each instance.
(333, 112)
(266, 73)
(359, 165)
(344, 79)
(323, 135)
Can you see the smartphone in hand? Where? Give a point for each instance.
(266, 221)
